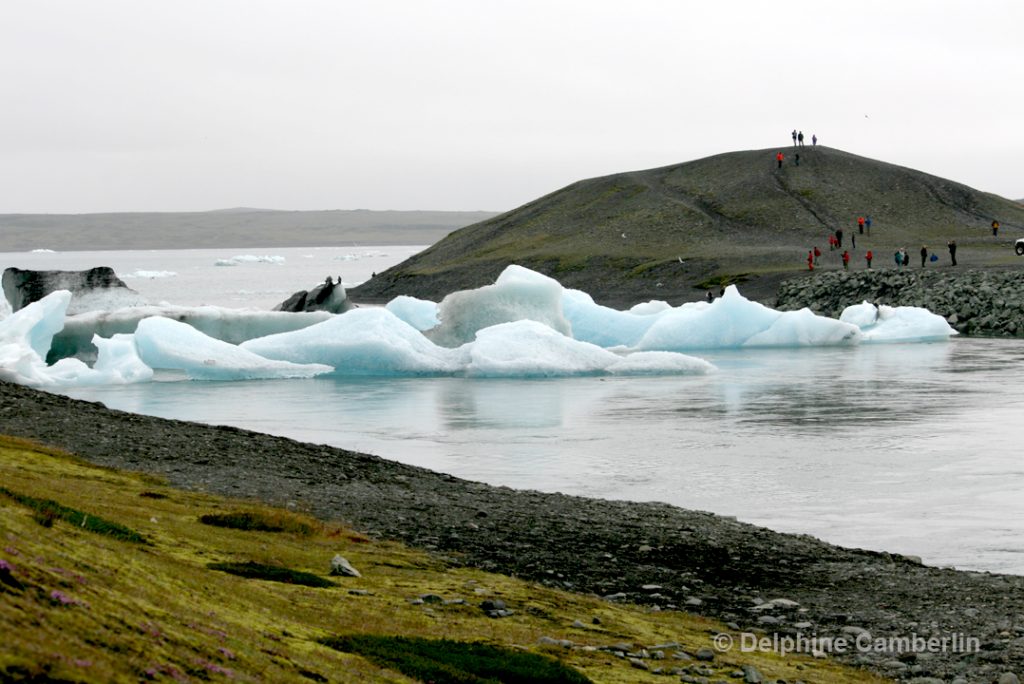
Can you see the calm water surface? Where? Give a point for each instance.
(909, 448)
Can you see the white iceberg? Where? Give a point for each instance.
(897, 323)
(419, 313)
(518, 294)
(166, 344)
(360, 342)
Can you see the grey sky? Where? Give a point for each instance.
(201, 104)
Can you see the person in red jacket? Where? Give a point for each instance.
(779, 157)
(868, 257)
(810, 260)
(860, 225)
(846, 260)
(817, 253)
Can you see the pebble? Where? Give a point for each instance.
(704, 654)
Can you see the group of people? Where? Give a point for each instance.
(798, 141)
(798, 138)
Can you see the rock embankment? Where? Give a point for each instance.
(975, 302)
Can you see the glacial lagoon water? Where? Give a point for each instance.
(915, 448)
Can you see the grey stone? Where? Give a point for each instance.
(705, 654)
(1008, 678)
(341, 567)
(751, 675)
(639, 664)
(492, 604)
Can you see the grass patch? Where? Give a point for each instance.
(83, 607)
(272, 573)
(260, 521)
(47, 511)
(722, 281)
(458, 662)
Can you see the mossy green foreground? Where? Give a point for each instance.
(80, 604)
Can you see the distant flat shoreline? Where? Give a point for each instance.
(230, 228)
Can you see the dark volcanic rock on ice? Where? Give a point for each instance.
(22, 286)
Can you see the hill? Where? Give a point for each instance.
(237, 227)
(670, 232)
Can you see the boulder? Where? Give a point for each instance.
(328, 296)
(96, 288)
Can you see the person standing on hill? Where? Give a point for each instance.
(868, 257)
(924, 255)
(817, 253)
(867, 223)
(839, 238)
(995, 227)
(906, 256)
(800, 138)
(778, 158)
(794, 137)
(846, 260)
(814, 139)
(951, 245)
(860, 225)
(810, 260)
(898, 257)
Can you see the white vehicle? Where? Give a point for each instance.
(1018, 247)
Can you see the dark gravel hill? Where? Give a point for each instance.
(667, 233)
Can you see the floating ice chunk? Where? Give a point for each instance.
(43, 251)
(250, 259)
(119, 360)
(419, 313)
(140, 273)
(862, 315)
(897, 324)
(532, 349)
(602, 325)
(732, 321)
(660, 363)
(35, 325)
(166, 344)
(528, 348)
(361, 342)
(655, 306)
(804, 328)
(227, 325)
(25, 341)
(518, 294)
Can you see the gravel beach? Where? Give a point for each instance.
(758, 580)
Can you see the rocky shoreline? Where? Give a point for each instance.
(982, 302)
(664, 557)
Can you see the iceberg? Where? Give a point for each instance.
(227, 325)
(524, 325)
(897, 323)
(733, 322)
(25, 338)
(166, 344)
(531, 349)
(518, 294)
(360, 342)
(419, 313)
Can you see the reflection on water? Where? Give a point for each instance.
(907, 448)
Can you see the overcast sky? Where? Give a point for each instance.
(181, 105)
